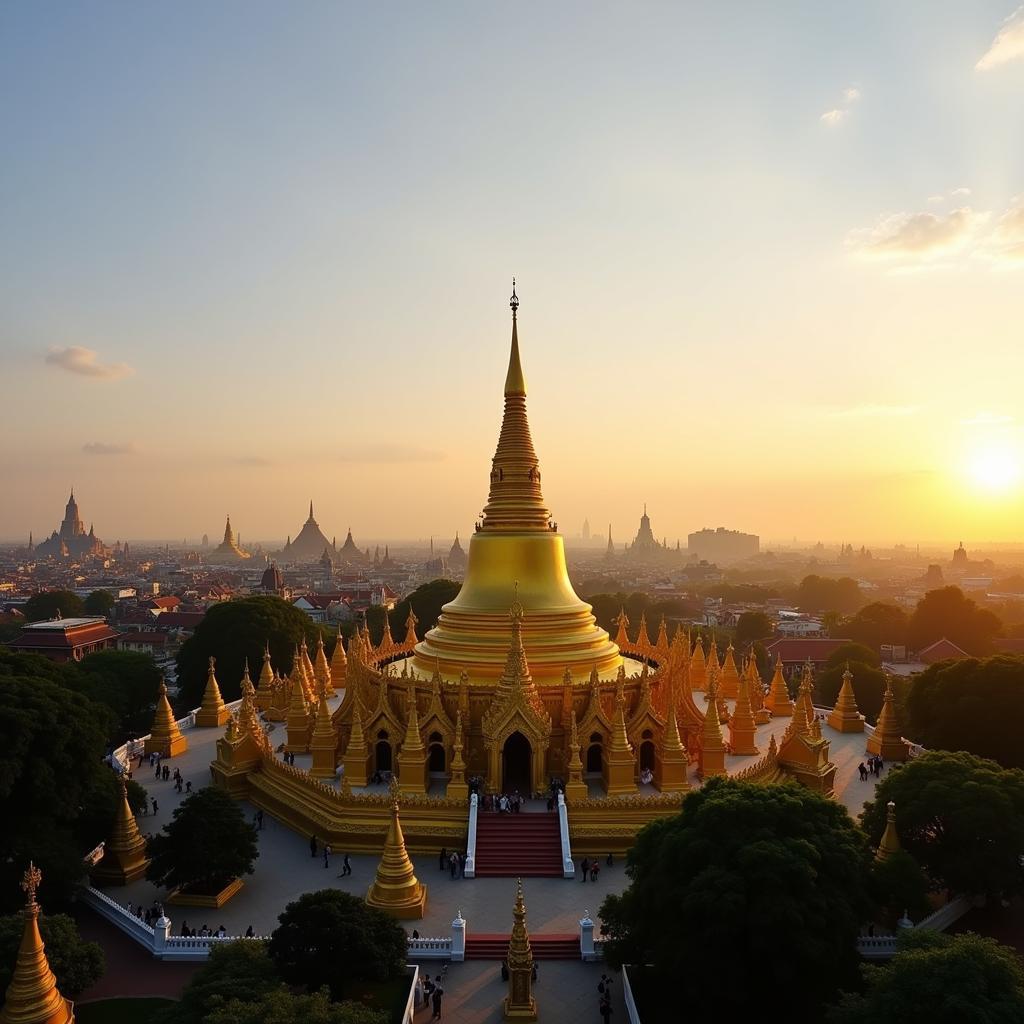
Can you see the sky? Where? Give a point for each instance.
(770, 260)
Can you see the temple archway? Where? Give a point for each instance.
(647, 756)
(436, 758)
(382, 752)
(595, 755)
(516, 765)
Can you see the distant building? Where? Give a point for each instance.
(457, 556)
(71, 540)
(796, 652)
(66, 639)
(646, 548)
(722, 546)
(309, 545)
(960, 556)
(585, 532)
(228, 550)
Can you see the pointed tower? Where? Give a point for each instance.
(214, 712)
(387, 641)
(661, 644)
(741, 724)
(674, 762)
(890, 843)
(520, 1003)
(321, 667)
(32, 996)
(124, 853)
(516, 540)
(755, 686)
(357, 754)
(804, 713)
(265, 687)
(643, 640)
(778, 701)
(396, 889)
(730, 677)
(410, 630)
(575, 788)
(339, 665)
(887, 739)
(609, 552)
(698, 667)
(164, 736)
(297, 722)
(712, 751)
(458, 788)
(845, 717)
(622, 637)
(324, 741)
(412, 758)
(620, 764)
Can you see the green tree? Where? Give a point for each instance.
(949, 613)
(235, 972)
(868, 687)
(970, 705)
(127, 683)
(770, 879)
(280, 1006)
(76, 963)
(100, 602)
(876, 624)
(853, 652)
(426, 600)
(47, 604)
(898, 886)
(752, 626)
(960, 817)
(332, 938)
(936, 978)
(52, 742)
(207, 843)
(823, 593)
(232, 631)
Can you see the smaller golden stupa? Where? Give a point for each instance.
(520, 1003)
(890, 843)
(214, 712)
(124, 854)
(33, 996)
(165, 737)
(396, 890)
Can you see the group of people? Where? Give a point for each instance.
(204, 932)
(590, 868)
(874, 767)
(454, 861)
(326, 851)
(432, 994)
(288, 758)
(150, 915)
(646, 776)
(604, 998)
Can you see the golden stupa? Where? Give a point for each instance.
(516, 541)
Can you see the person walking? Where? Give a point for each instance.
(312, 846)
(259, 819)
(155, 808)
(346, 867)
(585, 868)
(442, 861)
(327, 855)
(605, 1009)
(453, 864)
(435, 999)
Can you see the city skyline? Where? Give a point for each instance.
(768, 275)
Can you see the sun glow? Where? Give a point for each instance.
(994, 467)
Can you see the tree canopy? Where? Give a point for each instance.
(76, 963)
(935, 978)
(100, 602)
(207, 843)
(49, 603)
(607, 607)
(876, 624)
(853, 652)
(823, 593)
(950, 613)
(752, 626)
(960, 817)
(126, 682)
(280, 1006)
(332, 938)
(232, 631)
(772, 880)
(235, 971)
(971, 705)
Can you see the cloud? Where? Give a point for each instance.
(960, 193)
(103, 448)
(389, 453)
(916, 235)
(1008, 44)
(833, 116)
(83, 361)
(1005, 243)
(850, 95)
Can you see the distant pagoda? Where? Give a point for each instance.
(72, 540)
(228, 550)
(310, 543)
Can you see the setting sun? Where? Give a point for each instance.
(995, 467)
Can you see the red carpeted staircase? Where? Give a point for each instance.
(545, 947)
(518, 845)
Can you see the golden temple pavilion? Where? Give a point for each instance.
(516, 685)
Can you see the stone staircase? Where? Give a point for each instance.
(545, 947)
(526, 845)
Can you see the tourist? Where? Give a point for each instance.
(222, 932)
(443, 859)
(605, 1009)
(585, 867)
(188, 788)
(155, 808)
(453, 864)
(327, 855)
(312, 846)
(129, 908)
(346, 867)
(862, 771)
(504, 970)
(259, 819)
(415, 933)
(167, 772)
(462, 864)
(609, 861)
(428, 987)
(249, 933)
(157, 773)
(601, 984)
(435, 999)
(184, 928)
(594, 869)
(205, 931)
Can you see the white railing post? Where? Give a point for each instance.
(161, 933)
(568, 867)
(458, 938)
(587, 937)
(471, 837)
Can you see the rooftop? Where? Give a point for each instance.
(64, 624)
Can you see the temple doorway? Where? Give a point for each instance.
(435, 764)
(594, 754)
(516, 759)
(647, 756)
(382, 753)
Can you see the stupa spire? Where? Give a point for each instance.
(890, 843)
(124, 853)
(164, 734)
(845, 717)
(515, 501)
(214, 711)
(32, 996)
(520, 1003)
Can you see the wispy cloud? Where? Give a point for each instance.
(1008, 44)
(864, 411)
(103, 448)
(389, 453)
(916, 235)
(1005, 243)
(850, 95)
(85, 363)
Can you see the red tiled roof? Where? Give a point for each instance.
(792, 649)
(941, 650)
(179, 620)
(162, 602)
(68, 639)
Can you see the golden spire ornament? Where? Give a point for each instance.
(396, 890)
(265, 686)
(32, 995)
(890, 843)
(520, 1003)
(339, 665)
(214, 712)
(778, 701)
(845, 717)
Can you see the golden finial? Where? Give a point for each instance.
(516, 610)
(514, 301)
(30, 882)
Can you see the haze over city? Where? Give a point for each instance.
(769, 268)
